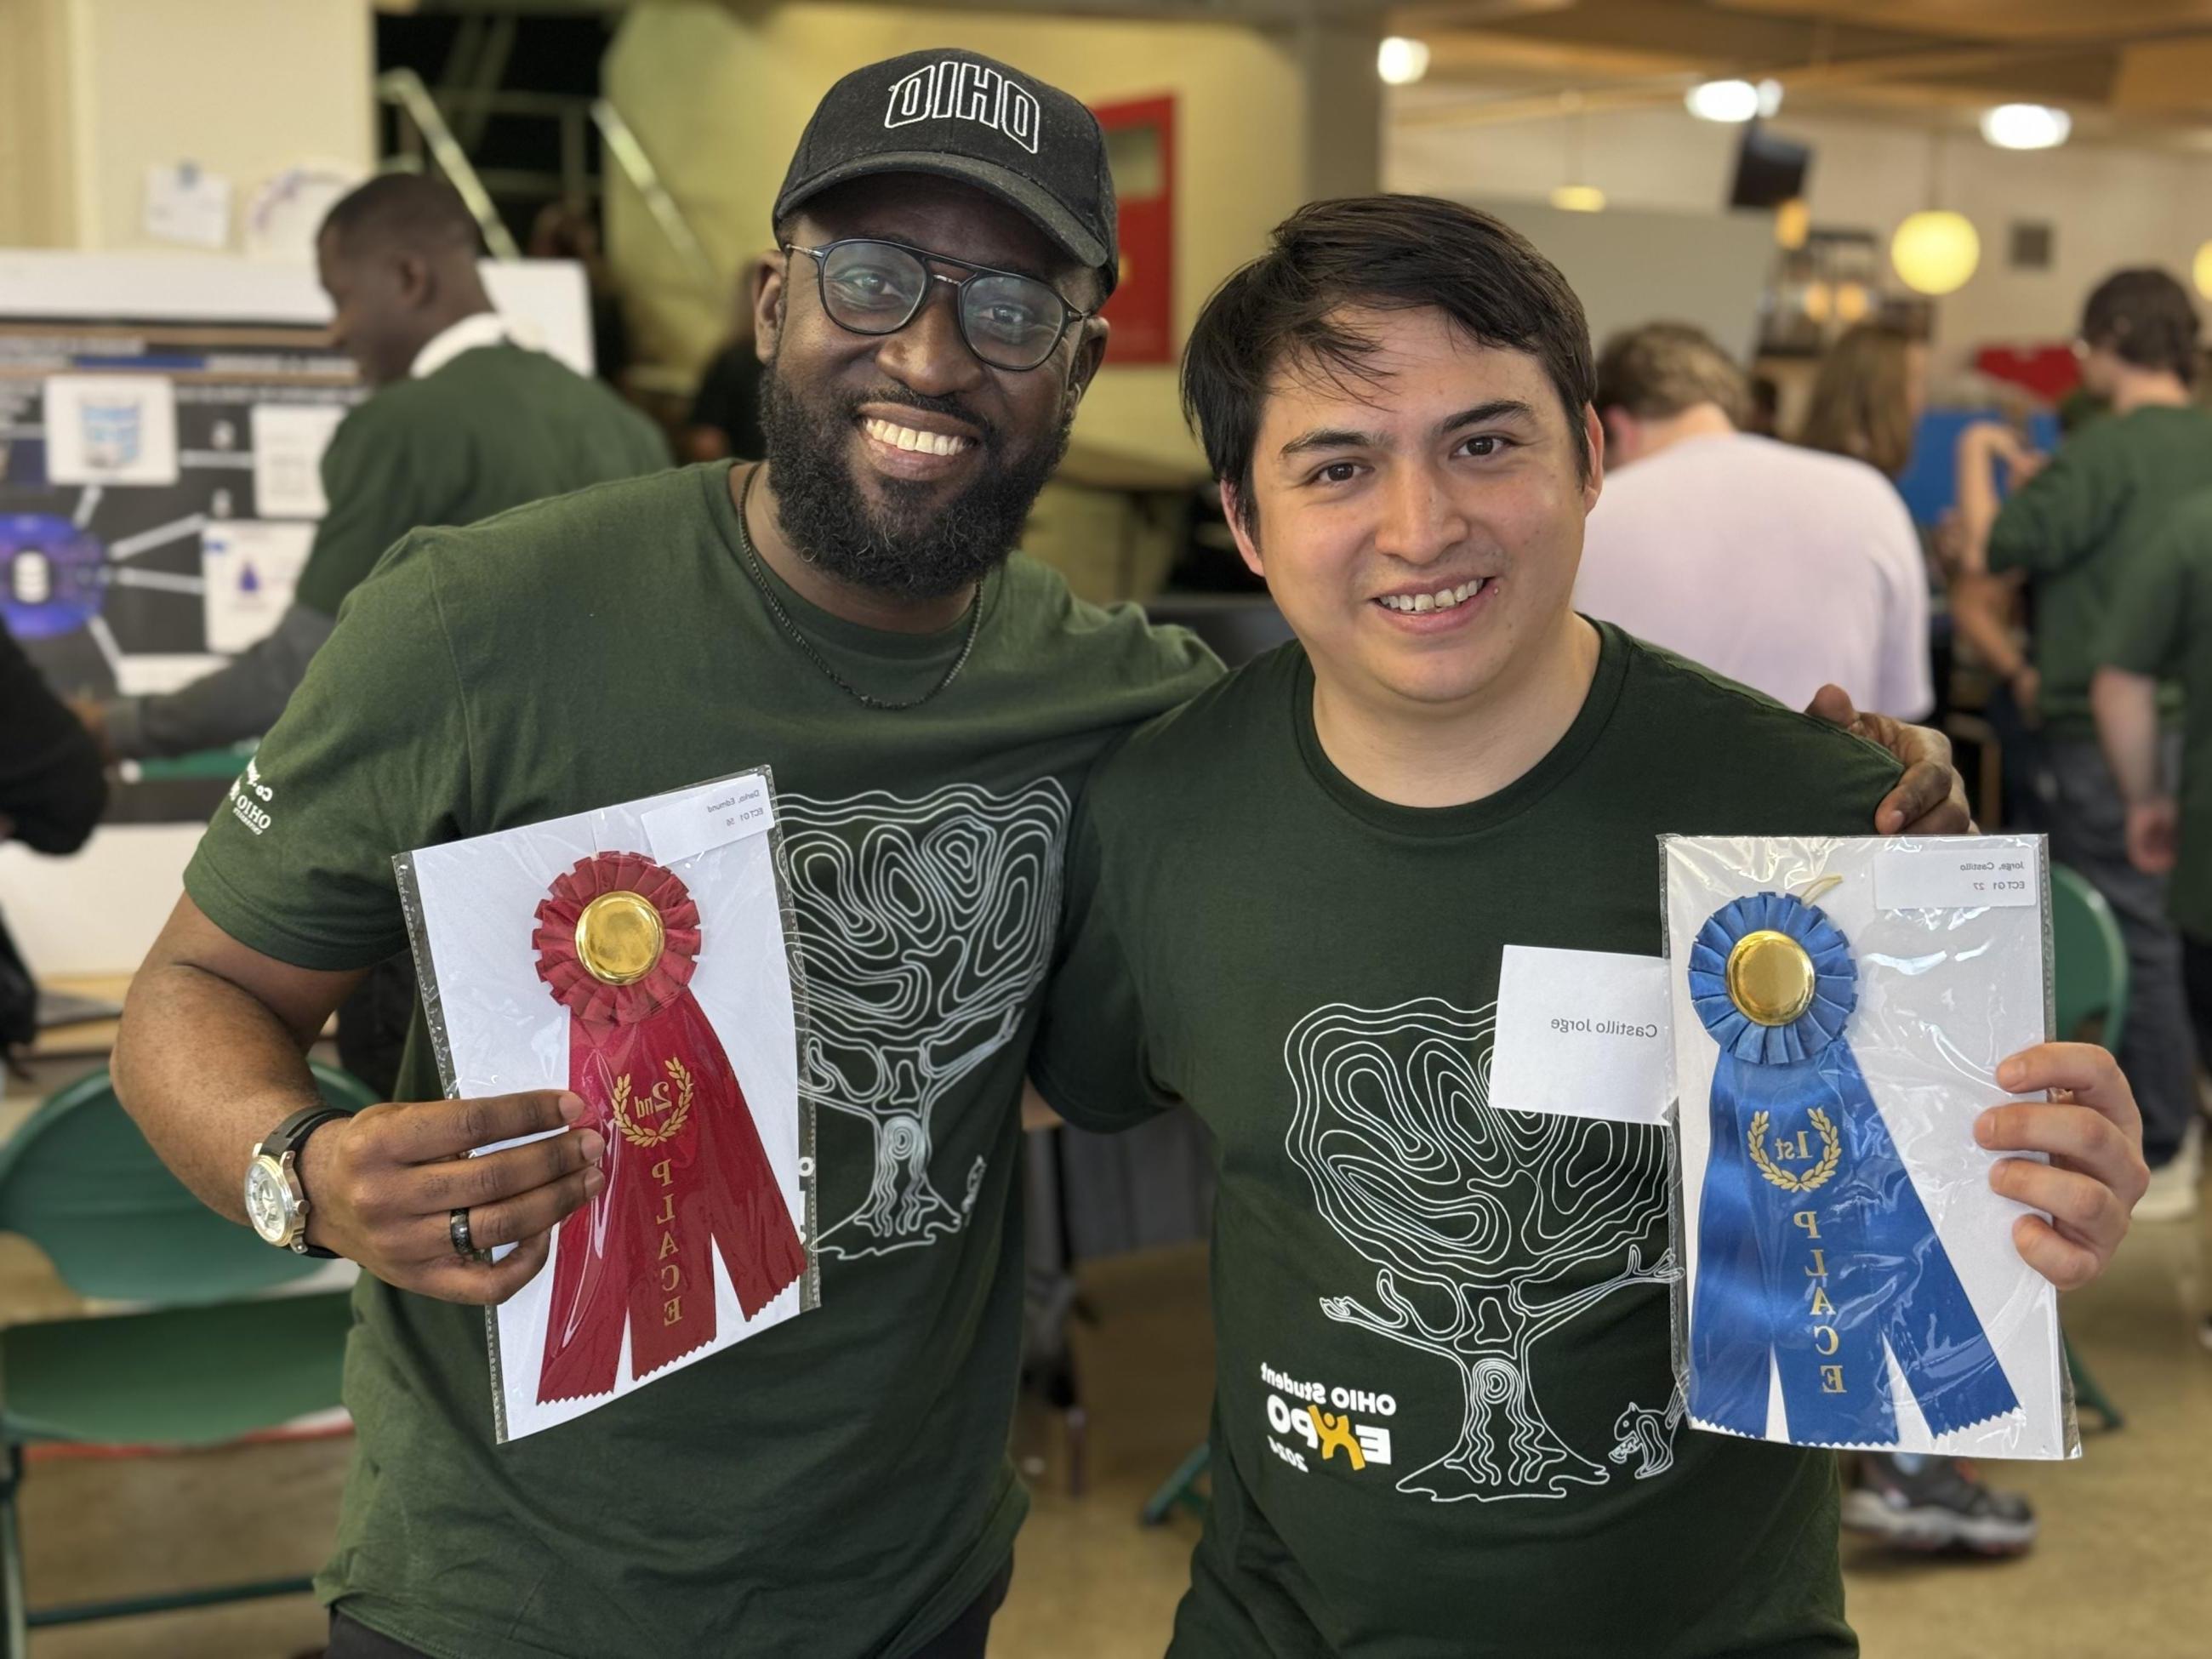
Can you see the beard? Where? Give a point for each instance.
(908, 547)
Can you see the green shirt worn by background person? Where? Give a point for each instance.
(838, 1486)
(2161, 625)
(2077, 526)
(493, 428)
(1443, 1417)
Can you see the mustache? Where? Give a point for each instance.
(955, 408)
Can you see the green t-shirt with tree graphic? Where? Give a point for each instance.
(1444, 1419)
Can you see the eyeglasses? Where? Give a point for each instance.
(1010, 321)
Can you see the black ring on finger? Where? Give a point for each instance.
(457, 1229)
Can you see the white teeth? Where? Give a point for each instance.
(1443, 600)
(909, 437)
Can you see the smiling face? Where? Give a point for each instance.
(902, 463)
(1419, 524)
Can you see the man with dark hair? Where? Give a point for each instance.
(1444, 1415)
(1782, 568)
(465, 420)
(839, 1486)
(2073, 532)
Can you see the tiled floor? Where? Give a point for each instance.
(2125, 1567)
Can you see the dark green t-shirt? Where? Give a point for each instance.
(837, 1485)
(495, 427)
(2078, 525)
(2161, 625)
(1314, 972)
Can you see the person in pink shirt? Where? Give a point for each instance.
(1778, 566)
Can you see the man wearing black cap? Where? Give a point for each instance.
(847, 613)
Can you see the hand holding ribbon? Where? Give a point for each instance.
(2093, 1134)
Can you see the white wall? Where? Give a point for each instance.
(97, 912)
(2110, 206)
(243, 88)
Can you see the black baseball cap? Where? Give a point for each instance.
(960, 115)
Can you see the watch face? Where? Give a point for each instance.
(268, 1204)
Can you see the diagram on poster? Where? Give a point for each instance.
(289, 442)
(163, 420)
(250, 569)
(111, 429)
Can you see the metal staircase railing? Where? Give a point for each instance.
(424, 127)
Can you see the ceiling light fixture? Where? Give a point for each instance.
(1400, 62)
(2026, 126)
(1726, 100)
(1579, 198)
(1936, 251)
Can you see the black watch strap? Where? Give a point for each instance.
(288, 1137)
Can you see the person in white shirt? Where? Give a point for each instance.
(1778, 567)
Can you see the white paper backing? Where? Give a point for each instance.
(502, 1031)
(1943, 996)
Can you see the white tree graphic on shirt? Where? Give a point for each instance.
(1476, 1217)
(926, 927)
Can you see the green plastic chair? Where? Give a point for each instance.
(2090, 969)
(2089, 986)
(210, 1356)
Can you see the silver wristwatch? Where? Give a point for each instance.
(275, 1203)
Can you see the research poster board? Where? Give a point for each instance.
(162, 421)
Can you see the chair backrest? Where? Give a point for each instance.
(79, 1181)
(2090, 972)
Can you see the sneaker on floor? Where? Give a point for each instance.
(2172, 1195)
(1917, 1503)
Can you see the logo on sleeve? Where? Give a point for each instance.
(957, 91)
(250, 798)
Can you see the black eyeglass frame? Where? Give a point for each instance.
(1069, 316)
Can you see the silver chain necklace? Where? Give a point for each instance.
(799, 639)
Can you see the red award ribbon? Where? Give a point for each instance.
(618, 942)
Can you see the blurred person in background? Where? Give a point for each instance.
(467, 420)
(1780, 569)
(2160, 629)
(52, 787)
(2073, 532)
(725, 421)
(1867, 396)
(1989, 615)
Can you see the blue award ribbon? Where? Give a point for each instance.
(1812, 1247)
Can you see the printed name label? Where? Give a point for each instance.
(1971, 874)
(713, 818)
(1584, 1033)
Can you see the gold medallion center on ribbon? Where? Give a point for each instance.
(1770, 977)
(619, 938)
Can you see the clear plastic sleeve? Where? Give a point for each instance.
(644, 956)
(1839, 1007)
